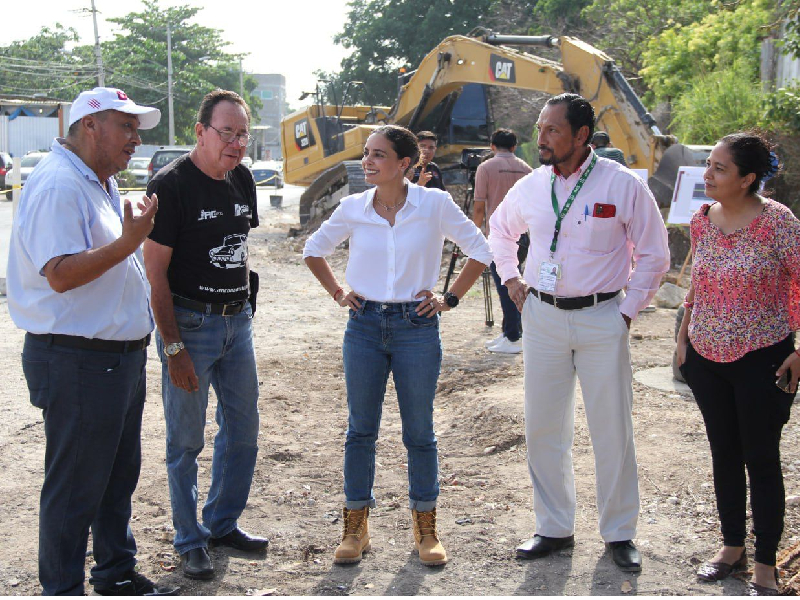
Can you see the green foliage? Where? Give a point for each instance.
(64, 74)
(731, 33)
(790, 14)
(126, 180)
(136, 61)
(718, 103)
(384, 35)
(200, 64)
(783, 110)
(622, 28)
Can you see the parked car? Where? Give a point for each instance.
(29, 161)
(247, 162)
(268, 173)
(163, 156)
(5, 165)
(138, 166)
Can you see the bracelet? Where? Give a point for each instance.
(688, 305)
(336, 293)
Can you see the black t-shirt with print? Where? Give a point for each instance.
(205, 221)
(436, 176)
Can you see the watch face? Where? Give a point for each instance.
(451, 299)
(173, 349)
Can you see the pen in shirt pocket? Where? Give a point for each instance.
(586, 213)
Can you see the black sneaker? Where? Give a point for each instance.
(134, 583)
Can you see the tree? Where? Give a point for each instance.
(623, 28)
(136, 61)
(138, 54)
(674, 59)
(42, 65)
(384, 35)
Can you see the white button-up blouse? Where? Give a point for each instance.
(394, 263)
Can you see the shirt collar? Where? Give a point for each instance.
(413, 196)
(60, 150)
(579, 170)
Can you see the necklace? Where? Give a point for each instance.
(394, 207)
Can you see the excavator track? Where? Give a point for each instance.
(324, 194)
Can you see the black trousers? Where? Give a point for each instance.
(744, 412)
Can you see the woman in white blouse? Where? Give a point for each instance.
(396, 232)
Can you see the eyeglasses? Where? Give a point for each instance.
(243, 140)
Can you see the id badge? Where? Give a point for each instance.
(548, 276)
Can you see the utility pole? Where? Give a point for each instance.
(101, 75)
(169, 87)
(241, 79)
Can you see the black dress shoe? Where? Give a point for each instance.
(626, 556)
(240, 540)
(196, 564)
(715, 571)
(539, 546)
(135, 584)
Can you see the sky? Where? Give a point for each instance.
(290, 37)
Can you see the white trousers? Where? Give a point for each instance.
(594, 344)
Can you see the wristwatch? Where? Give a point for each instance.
(451, 299)
(172, 349)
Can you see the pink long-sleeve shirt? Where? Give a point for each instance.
(746, 283)
(594, 253)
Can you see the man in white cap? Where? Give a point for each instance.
(77, 287)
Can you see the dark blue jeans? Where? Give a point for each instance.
(512, 319)
(92, 406)
(384, 338)
(221, 349)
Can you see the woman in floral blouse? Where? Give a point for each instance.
(736, 341)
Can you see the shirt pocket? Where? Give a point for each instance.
(597, 235)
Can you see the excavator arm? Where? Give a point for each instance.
(585, 70)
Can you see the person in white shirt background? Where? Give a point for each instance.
(396, 232)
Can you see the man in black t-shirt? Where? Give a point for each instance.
(196, 261)
(427, 173)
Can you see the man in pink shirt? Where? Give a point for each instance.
(587, 217)
(493, 179)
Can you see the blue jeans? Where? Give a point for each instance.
(221, 349)
(381, 338)
(512, 318)
(92, 406)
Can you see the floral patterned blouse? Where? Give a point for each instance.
(746, 284)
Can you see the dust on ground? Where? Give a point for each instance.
(485, 502)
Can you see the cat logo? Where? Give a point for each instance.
(303, 136)
(501, 69)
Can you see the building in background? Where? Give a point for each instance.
(267, 128)
(31, 124)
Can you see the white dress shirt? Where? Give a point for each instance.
(395, 263)
(65, 209)
(594, 253)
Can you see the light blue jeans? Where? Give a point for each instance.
(383, 338)
(222, 351)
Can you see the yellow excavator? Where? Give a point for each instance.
(322, 144)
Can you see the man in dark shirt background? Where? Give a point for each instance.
(427, 173)
(602, 147)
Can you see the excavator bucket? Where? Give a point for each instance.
(662, 182)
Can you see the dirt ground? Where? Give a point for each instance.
(485, 503)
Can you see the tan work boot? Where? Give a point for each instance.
(426, 540)
(355, 536)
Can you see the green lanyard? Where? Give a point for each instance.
(560, 215)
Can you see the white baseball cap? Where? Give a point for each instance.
(103, 98)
